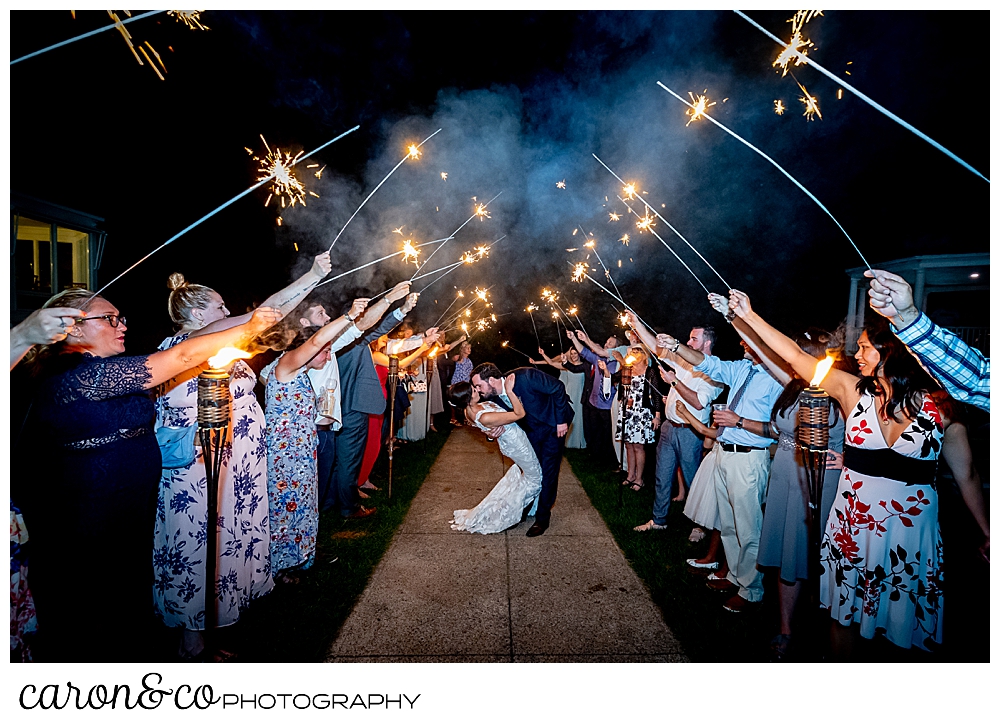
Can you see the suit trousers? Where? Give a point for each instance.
(326, 455)
(740, 486)
(597, 431)
(548, 448)
(349, 450)
(679, 446)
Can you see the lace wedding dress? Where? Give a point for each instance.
(518, 488)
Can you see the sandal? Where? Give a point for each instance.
(636, 486)
(779, 647)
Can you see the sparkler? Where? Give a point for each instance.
(617, 298)
(370, 263)
(276, 166)
(460, 295)
(468, 258)
(670, 250)
(209, 215)
(114, 26)
(775, 164)
(191, 18)
(810, 102)
(698, 107)
(412, 152)
(630, 189)
(866, 99)
(464, 311)
(779, 107)
(592, 245)
(506, 345)
(462, 262)
(575, 313)
(613, 216)
(410, 253)
(531, 308)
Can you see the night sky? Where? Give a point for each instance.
(523, 99)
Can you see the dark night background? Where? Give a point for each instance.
(523, 100)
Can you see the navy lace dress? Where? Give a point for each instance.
(90, 492)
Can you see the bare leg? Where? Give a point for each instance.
(714, 541)
(630, 457)
(639, 454)
(788, 596)
(192, 643)
(681, 490)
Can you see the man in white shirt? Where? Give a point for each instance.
(679, 446)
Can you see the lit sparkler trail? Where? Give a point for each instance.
(276, 166)
(412, 152)
(458, 296)
(191, 18)
(698, 107)
(370, 263)
(530, 309)
(209, 215)
(631, 187)
(462, 262)
(592, 245)
(410, 253)
(866, 99)
(113, 26)
(464, 311)
(506, 345)
(775, 164)
(779, 107)
(614, 216)
(618, 298)
(480, 211)
(672, 251)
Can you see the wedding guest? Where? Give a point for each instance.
(572, 373)
(679, 447)
(461, 373)
(439, 377)
(292, 442)
(179, 543)
(597, 406)
(92, 422)
(743, 465)
(639, 414)
(881, 551)
(963, 371)
(43, 326)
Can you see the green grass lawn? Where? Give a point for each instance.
(298, 623)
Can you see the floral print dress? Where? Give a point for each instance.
(881, 551)
(292, 480)
(181, 533)
(639, 423)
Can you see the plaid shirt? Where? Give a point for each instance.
(963, 371)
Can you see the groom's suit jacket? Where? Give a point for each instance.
(545, 401)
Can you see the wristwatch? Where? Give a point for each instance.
(739, 424)
(673, 383)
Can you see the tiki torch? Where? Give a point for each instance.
(813, 437)
(213, 427)
(623, 404)
(391, 383)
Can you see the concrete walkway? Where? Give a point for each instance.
(445, 596)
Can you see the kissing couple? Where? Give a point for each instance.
(530, 425)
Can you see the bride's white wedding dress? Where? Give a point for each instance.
(518, 488)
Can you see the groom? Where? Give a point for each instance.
(547, 414)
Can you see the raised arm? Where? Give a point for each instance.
(596, 348)
(958, 454)
(840, 385)
(291, 362)
(455, 343)
(551, 362)
(283, 301)
(779, 369)
(498, 419)
(44, 326)
(194, 351)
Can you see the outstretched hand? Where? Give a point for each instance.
(398, 291)
(47, 326)
(739, 303)
(358, 308)
(892, 297)
(264, 317)
(719, 302)
(411, 301)
(321, 265)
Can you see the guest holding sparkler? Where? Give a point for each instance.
(440, 377)
(640, 412)
(43, 326)
(743, 465)
(92, 423)
(597, 405)
(292, 444)
(963, 371)
(179, 544)
(881, 551)
(461, 373)
(572, 373)
(679, 447)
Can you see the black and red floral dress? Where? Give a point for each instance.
(881, 550)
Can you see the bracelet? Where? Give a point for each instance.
(730, 315)
(677, 345)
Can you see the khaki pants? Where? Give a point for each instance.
(740, 486)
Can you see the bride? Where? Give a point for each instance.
(519, 487)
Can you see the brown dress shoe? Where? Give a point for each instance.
(721, 584)
(737, 604)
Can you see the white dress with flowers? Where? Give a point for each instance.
(881, 552)
(180, 530)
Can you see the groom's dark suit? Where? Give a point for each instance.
(546, 405)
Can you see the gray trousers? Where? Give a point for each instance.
(349, 443)
(678, 447)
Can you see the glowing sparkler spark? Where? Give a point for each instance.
(444, 176)
(561, 184)
(572, 311)
(614, 216)
(555, 314)
(629, 191)
(579, 271)
(464, 327)
(468, 312)
(468, 258)
(779, 107)
(410, 253)
(797, 50)
(531, 307)
(810, 102)
(482, 212)
(493, 317)
(624, 239)
(413, 151)
(623, 319)
(504, 343)
(483, 251)
(191, 18)
(278, 163)
(461, 294)
(701, 105)
(481, 293)
(398, 230)
(589, 244)
(645, 223)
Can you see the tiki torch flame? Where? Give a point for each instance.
(227, 356)
(630, 360)
(822, 369)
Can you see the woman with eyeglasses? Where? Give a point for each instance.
(90, 503)
(179, 543)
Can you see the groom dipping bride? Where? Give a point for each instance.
(530, 425)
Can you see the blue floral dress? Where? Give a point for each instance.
(180, 535)
(291, 469)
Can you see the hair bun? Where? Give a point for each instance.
(176, 281)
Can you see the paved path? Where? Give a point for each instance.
(441, 595)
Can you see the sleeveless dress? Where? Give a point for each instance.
(573, 381)
(180, 532)
(415, 425)
(881, 551)
(702, 505)
(518, 488)
(292, 480)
